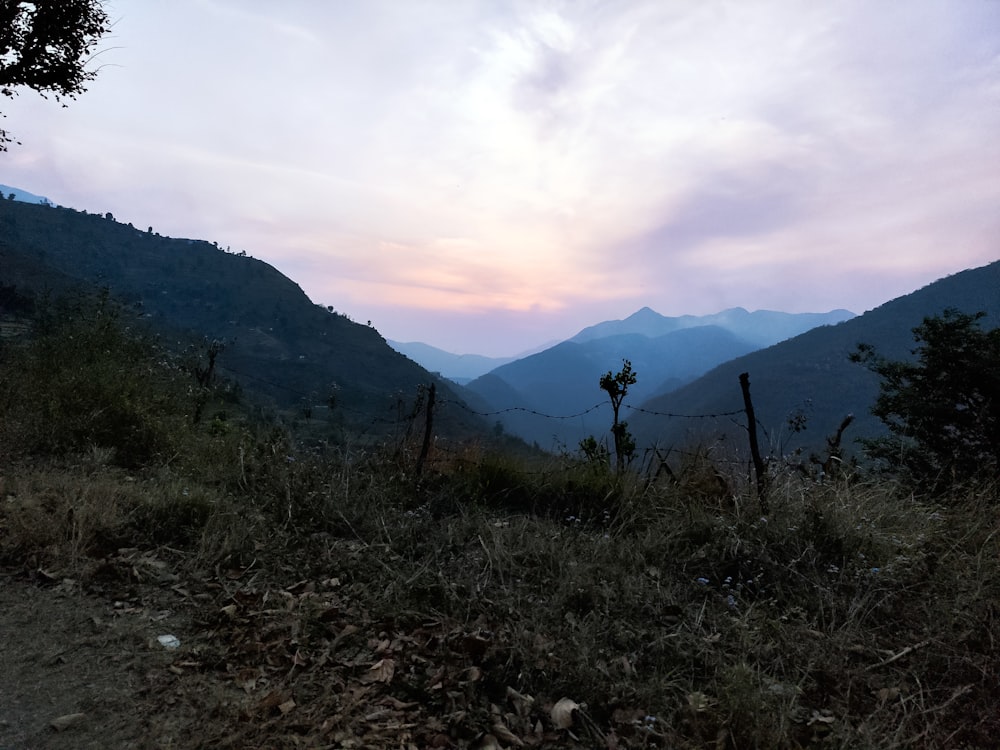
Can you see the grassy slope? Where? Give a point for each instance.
(278, 343)
(333, 598)
(811, 374)
(391, 612)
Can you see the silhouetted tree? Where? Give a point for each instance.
(943, 409)
(46, 45)
(616, 386)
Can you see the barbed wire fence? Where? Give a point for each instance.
(650, 451)
(404, 423)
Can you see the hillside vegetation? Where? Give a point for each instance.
(811, 378)
(292, 353)
(333, 595)
(670, 352)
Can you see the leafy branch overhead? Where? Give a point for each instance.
(46, 46)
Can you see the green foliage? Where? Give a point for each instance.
(46, 45)
(851, 617)
(189, 286)
(90, 378)
(943, 409)
(616, 386)
(596, 454)
(678, 621)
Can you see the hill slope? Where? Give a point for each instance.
(277, 341)
(563, 380)
(665, 353)
(457, 367)
(761, 327)
(811, 374)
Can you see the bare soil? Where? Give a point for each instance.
(259, 665)
(90, 655)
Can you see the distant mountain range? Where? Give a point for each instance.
(460, 368)
(283, 347)
(809, 375)
(759, 328)
(6, 191)
(665, 353)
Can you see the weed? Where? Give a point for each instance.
(851, 615)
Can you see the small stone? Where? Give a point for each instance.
(66, 721)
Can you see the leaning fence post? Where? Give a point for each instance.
(759, 467)
(427, 430)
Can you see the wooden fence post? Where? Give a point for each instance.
(759, 466)
(427, 430)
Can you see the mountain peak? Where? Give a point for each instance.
(646, 313)
(763, 327)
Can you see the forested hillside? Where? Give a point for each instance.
(811, 376)
(274, 340)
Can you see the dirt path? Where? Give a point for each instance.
(66, 652)
(62, 653)
(259, 666)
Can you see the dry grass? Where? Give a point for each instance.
(335, 598)
(851, 616)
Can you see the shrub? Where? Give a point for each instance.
(943, 410)
(90, 377)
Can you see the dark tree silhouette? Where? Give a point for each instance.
(45, 45)
(943, 409)
(616, 386)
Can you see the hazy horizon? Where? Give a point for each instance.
(485, 177)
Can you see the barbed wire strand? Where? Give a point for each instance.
(470, 410)
(525, 409)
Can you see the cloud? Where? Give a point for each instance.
(562, 158)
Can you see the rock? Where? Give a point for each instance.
(66, 721)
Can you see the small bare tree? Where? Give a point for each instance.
(616, 386)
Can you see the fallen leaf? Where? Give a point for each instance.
(823, 716)
(380, 671)
(472, 674)
(504, 734)
(888, 694)
(437, 681)
(522, 703)
(271, 700)
(562, 713)
(626, 665)
(396, 703)
(698, 701)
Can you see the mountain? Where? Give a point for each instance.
(460, 368)
(761, 327)
(6, 191)
(665, 353)
(810, 375)
(278, 343)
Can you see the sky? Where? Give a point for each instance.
(487, 177)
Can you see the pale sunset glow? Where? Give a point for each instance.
(489, 176)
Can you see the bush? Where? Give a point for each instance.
(89, 377)
(943, 410)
